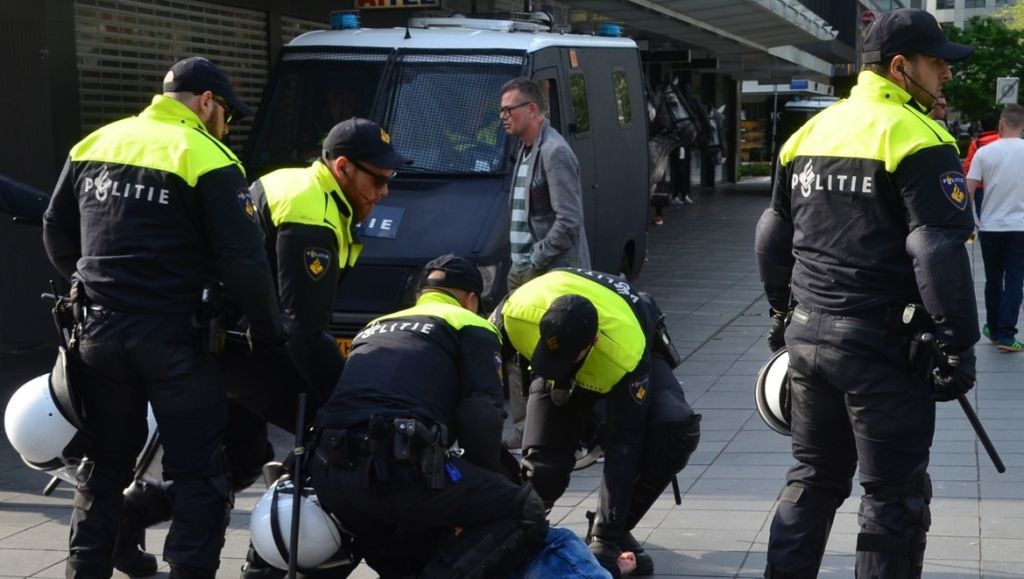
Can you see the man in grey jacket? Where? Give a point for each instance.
(546, 229)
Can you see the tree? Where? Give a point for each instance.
(998, 51)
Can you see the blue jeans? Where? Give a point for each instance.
(1003, 254)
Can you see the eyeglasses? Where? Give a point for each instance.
(229, 113)
(507, 111)
(378, 179)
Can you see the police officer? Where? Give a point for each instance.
(590, 336)
(309, 216)
(147, 210)
(864, 220)
(416, 381)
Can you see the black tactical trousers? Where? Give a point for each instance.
(127, 359)
(855, 403)
(646, 403)
(402, 526)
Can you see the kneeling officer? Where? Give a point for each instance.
(416, 381)
(589, 335)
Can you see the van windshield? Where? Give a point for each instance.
(444, 110)
(441, 108)
(311, 92)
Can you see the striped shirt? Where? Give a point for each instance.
(519, 232)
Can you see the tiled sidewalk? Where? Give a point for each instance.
(701, 269)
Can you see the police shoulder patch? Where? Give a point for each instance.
(245, 202)
(954, 187)
(317, 260)
(639, 388)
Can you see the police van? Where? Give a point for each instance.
(434, 85)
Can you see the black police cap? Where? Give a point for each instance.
(909, 31)
(458, 273)
(197, 75)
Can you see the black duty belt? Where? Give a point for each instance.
(898, 317)
(342, 447)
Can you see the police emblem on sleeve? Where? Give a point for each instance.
(639, 388)
(245, 202)
(317, 261)
(954, 187)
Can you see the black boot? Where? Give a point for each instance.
(130, 559)
(144, 505)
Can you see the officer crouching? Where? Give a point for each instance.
(588, 336)
(415, 382)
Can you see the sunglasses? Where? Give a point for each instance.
(378, 179)
(229, 113)
(507, 111)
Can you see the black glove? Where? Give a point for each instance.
(278, 346)
(777, 331)
(954, 377)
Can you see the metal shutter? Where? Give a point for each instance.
(292, 27)
(126, 46)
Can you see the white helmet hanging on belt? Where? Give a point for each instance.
(771, 392)
(48, 441)
(270, 528)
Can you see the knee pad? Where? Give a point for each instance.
(668, 445)
(895, 520)
(494, 550)
(145, 505)
(548, 470)
(811, 497)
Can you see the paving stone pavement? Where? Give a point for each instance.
(701, 268)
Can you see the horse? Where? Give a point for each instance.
(675, 120)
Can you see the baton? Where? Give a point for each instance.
(929, 341)
(298, 451)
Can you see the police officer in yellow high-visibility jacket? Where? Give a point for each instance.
(869, 213)
(589, 335)
(147, 210)
(309, 215)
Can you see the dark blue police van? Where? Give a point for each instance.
(435, 86)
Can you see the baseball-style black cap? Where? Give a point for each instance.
(459, 274)
(569, 326)
(363, 140)
(909, 31)
(196, 75)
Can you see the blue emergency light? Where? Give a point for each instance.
(345, 20)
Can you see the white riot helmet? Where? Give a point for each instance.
(771, 392)
(270, 528)
(48, 441)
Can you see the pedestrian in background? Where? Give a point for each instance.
(866, 223)
(1000, 166)
(989, 134)
(546, 201)
(146, 211)
(939, 112)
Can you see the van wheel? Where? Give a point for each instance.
(626, 265)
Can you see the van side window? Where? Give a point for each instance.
(621, 86)
(578, 96)
(550, 90)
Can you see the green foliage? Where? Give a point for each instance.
(755, 169)
(998, 51)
